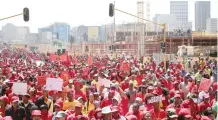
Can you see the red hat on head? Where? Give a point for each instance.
(8, 118)
(78, 83)
(112, 92)
(184, 111)
(206, 96)
(59, 103)
(131, 117)
(175, 82)
(205, 118)
(36, 112)
(78, 105)
(177, 96)
(14, 99)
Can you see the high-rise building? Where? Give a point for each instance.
(202, 13)
(168, 19)
(61, 31)
(212, 25)
(180, 10)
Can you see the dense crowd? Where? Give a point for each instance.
(138, 91)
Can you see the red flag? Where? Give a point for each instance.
(90, 60)
(41, 80)
(75, 62)
(205, 84)
(63, 57)
(125, 66)
(65, 76)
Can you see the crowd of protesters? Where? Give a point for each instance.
(128, 97)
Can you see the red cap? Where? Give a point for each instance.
(4, 98)
(206, 96)
(112, 92)
(188, 116)
(205, 118)
(8, 118)
(59, 103)
(78, 83)
(131, 117)
(177, 96)
(36, 112)
(184, 112)
(78, 105)
(14, 99)
(175, 82)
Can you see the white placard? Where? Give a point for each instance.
(104, 82)
(156, 99)
(54, 84)
(19, 88)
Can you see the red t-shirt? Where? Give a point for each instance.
(47, 116)
(193, 108)
(148, 107)
(141, 96)
(176, 108)
(106, 102)
(138, 115)
(158, 115)
(203, 106)
(124, 104)
(124, 85)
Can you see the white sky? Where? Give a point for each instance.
(82, 12)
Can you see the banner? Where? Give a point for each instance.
(104, 82)
(62, 58)
(19, 88)
(41, 80)
(156, 99)
(54, 84)
(205, 84)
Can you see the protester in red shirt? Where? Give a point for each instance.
(78, 92)
(45, 114)
(204, 104)
(142, 93)
(157, 112)
(125, 83)
(191, 104)
(78, 113)
(135, 111)
(108, 100)
(176, 103)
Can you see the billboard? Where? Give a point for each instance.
(93, 32)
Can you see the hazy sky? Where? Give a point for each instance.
(82, 12)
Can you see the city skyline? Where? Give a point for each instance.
(61, 11)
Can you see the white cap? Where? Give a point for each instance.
(106, 110)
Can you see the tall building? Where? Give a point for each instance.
(168, 19)
(180, 10)
(202, 13)
(60, 31)
(212, 25)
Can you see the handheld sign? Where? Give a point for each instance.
(156, 99)
(54, 84)
(19, 88)
(205, 84)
